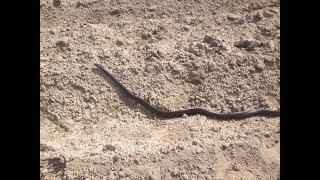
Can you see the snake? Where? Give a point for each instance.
(189, 112)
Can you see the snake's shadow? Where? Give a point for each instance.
(124, 98)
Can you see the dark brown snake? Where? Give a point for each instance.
(175, 114)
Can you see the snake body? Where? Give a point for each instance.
(176, 114)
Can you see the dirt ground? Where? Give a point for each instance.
(177, 54)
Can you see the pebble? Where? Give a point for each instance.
(175, 172)
(164, 150)
(194, 143)
(267, 134)
(117, 53)
(109, 147)
(56, 3)
(258, 16)
(180, 147)
(236, 167)
(62, 44)
(112, 175)
(271, 45)
(45, 147)
(224, 146)
(119, 42)
(201, 169)
(135, 161)
(216, 129)
(115, 12)
(121, 174)
(245, 43)
(233, 17)
(260, 65)
(185, 28)
(146, 36)
(152, 8)
(199, 150)
(210, 40)
(115, 159)
(200, 46)
(52, 32)
(267, 14)
(185, 177)
(151, 177)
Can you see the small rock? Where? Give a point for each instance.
(117, 54)
(185, 177)
(52, 32)
(146, 36)
(194, 143)
(211, 40)
(184, 116)
(224, 146)
(271, 45)
(201, 169)
(233, 17)
(62, 44)
(244, 43)
(152, 8)
(92, 37)
(103, 55)
(185, 28)
(236, 167)
(112, 175)
(115, 159)
(257, 17)
(119, 42)
(175, 172)
(109, 147)
(120, 23)
(153, 54)
(275, 11)
(222, 47)
(260, 65)
(267, 31)
(267, 134)
(45, 147)
(200, 46)
(121, 174)
(199, 150)
(151, 177)
(152, 59)
(215, 129)
(135, 161)
(164, 150)
(115, 12)
(160, 53)
(180, 147)
(80, 4)
(267, 14)
(45, 171)
(56, 3)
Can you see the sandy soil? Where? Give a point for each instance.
(222, 55)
